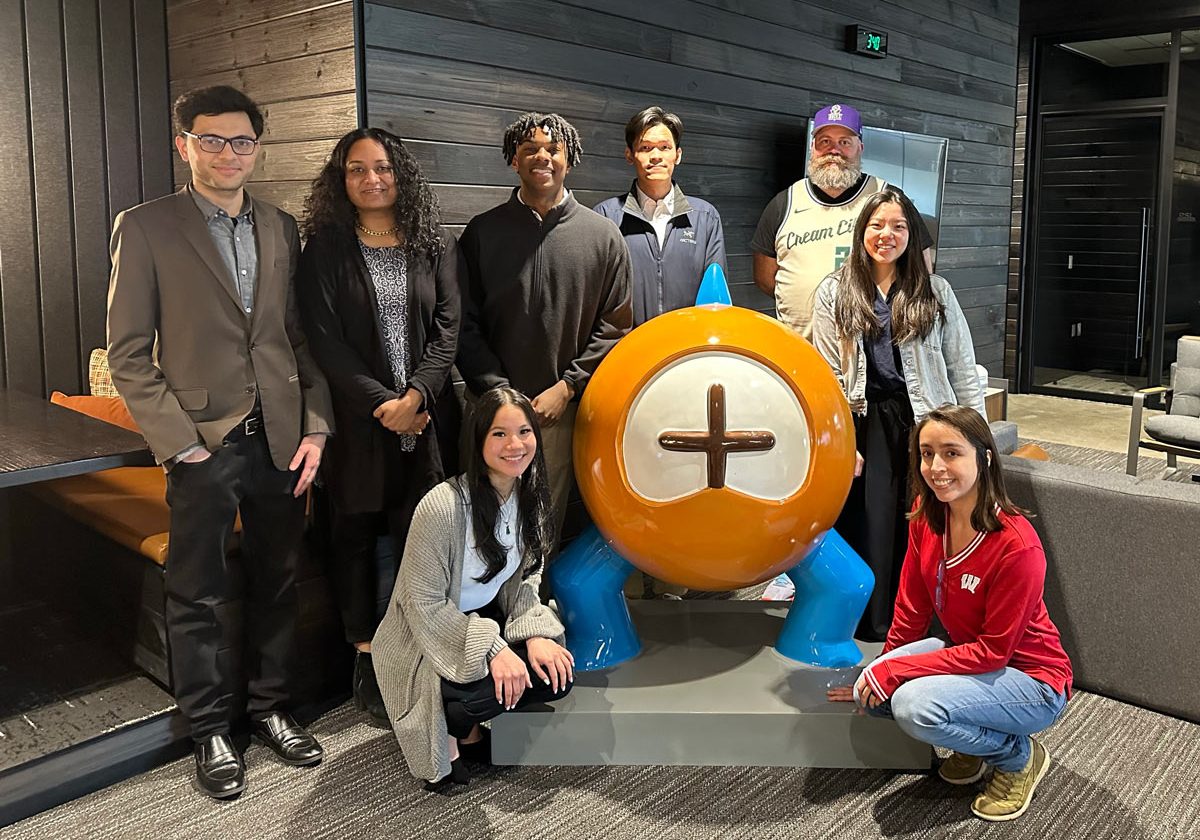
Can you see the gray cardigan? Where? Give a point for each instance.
(425, 638)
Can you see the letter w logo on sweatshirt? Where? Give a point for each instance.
(969, 582)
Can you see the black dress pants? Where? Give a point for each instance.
(873, 519)
(354, 572)
(205, 498)
(470, 703)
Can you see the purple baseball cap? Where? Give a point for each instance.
(842, 115)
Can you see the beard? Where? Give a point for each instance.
(834, 172)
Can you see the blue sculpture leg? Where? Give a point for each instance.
(832, 588)
(587, 581)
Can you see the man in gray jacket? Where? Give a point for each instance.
(547, 292)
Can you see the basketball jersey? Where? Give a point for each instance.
(812, 241)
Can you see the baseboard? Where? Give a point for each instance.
(61, 776)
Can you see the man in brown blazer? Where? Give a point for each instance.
(205, 345)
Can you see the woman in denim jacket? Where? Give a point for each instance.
(899, 345)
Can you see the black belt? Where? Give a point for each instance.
(252, 425)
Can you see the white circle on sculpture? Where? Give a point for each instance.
(676, 400)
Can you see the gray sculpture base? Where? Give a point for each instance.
(707, 689)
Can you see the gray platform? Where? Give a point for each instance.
(707, 689)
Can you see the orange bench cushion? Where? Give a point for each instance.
(125, 504)
(109, 409)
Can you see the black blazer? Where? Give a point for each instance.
(341, 319)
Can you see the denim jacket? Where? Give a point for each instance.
(938, 369)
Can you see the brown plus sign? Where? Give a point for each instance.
(716, 443)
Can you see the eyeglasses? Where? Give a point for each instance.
(845, 143)
(383, 170)
(214, 144)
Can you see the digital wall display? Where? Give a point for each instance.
(866, 41)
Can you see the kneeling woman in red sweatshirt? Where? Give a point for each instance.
(975, 562)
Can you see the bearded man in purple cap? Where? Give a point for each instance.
(805, 231)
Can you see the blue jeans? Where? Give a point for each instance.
(987, 715)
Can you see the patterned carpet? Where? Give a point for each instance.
(1149, 467)
(1117, 773)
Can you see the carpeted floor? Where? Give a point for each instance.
(1117, 773)
(1149, 467)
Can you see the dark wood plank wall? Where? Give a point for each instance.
(745, 76)
(85, 133)
(295, 58)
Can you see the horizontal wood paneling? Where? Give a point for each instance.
(191, 19)
(85, 133)
(744, 75)
(294, 58)
(318, 31)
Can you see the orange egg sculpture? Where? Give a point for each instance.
(714, 449)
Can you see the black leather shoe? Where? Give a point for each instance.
(220, 772)
(366, 690)
(288, 740)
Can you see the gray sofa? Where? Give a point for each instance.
(1123, 578)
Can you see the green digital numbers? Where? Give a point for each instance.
(839, 256)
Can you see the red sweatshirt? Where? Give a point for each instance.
(990, 604)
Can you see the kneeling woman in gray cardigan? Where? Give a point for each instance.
(465, 636)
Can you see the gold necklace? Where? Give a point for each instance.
(389, 232)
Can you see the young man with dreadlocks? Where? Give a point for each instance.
(547, 292)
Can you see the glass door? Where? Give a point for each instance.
(1093, 259)
(1093, 274)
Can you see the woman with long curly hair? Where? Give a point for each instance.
(378, 292)
(466, 636)
(898, 343)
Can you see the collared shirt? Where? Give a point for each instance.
(566, 194)
(657, 211)
(235, 241)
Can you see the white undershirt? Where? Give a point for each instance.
(474, 594)
(658, 212)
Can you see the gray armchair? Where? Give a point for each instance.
(1178, 431)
